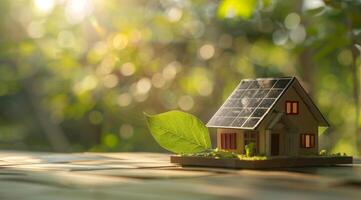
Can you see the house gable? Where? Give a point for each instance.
(310, 104)
(307, 111)
(304, 120)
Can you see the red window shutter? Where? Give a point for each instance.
(312, 143)
(294, 108)
(227, 141)
(222, 141)
(234, 141)
(314, 140)
(230, 140)
(288, 108)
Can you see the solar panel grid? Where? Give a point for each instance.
(259, 113)
(254, 94)
(249, 103)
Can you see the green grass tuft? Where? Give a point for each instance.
(216, 153)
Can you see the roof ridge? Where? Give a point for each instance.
(268, 78)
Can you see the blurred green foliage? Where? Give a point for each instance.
(76, 75)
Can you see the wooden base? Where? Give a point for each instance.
(273, 162)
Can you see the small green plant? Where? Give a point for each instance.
(220, 154)
(244, 157)
(213, 153)
(323, 152)
(336, 154)
(250, 149)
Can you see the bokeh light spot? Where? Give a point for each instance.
(110, 140)
(298, 35)
(124, 99)
(185, 102)
(174, 14)
(170, 71)
(292, 21)
(110, 81)
(127, 69)
(126, 131)
(207, 51)
(205, 87)
(158, 80)
(143, 86)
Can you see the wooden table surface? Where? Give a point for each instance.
(29, 175)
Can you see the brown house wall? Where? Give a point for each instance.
(304, 121)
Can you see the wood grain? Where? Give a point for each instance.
(38, 176)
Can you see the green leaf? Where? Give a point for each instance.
(179, 132)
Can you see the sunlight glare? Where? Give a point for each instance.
(77, 10)
(44, 6)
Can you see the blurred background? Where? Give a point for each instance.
(77, 75)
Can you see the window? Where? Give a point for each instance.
(292, 107)
(250, 137)
(307, 141)
(228, 141)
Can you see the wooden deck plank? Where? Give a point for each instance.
(26, 175)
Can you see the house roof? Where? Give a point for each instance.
(254, 99)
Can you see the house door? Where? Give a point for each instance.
(275, 144)
(290, 144)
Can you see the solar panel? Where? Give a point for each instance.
(249, 103)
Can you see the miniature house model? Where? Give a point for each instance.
(276, 114)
